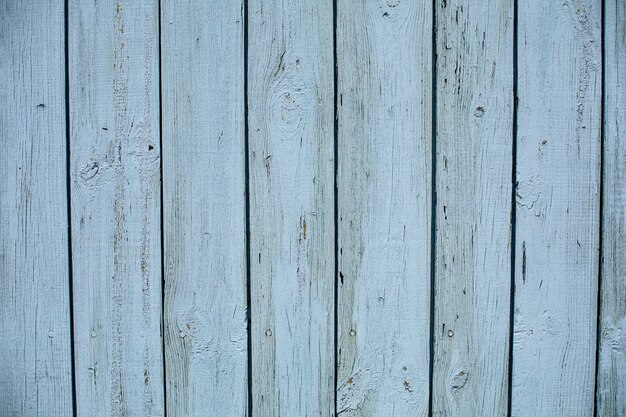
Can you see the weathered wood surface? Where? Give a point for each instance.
(611, 395)
(204, 208)
(557, 228)
(384, 64)
(35, 360)
(290, 102)
(300, 207)
(473, 252)
(115, 206)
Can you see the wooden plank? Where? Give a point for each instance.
(204, 207)
(473, 253)
(557, 238)
(291, 146)
(384, 53)
(35, 364)
(116, 247)
(611, 395)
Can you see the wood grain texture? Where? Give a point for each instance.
(290, 90)
(557, 230)
(384, 203)
(35, 359)
(473, 252)
(611, 395)
(204, 208)
(116, 247)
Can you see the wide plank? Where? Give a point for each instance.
(557, 208)
(474, 183)
(291, 163)
(204, 208)
(35, 342)
(384, 104)
(115, 183)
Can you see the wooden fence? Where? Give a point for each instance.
(291, 208)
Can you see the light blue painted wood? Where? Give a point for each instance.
(204, 208)
(35, 361)
(473, 252)
(557, 210)
(290, 104)
(611, 395)
(385, 70)
(384, 53)
(116, 247)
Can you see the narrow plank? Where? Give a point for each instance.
(114, 148)
(290, 90)
(611, 396)
(384, 52)
(35, 364)
(473, 252)
(204, 208)
(557, 238)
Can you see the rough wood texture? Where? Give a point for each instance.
(611, 396)
(558, 172)
(116, 247)
(162, 326)
(473, 252)
(384, 198)
(204, 208)
(35, 362)
(290, 67)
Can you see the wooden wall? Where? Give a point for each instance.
(266, 208)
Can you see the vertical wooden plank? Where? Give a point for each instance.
(114, 148)
(35, 360)
(473, 253)
(204, 207)
(290, 90)
(611, 396)
(384, 52)
(558, 172)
